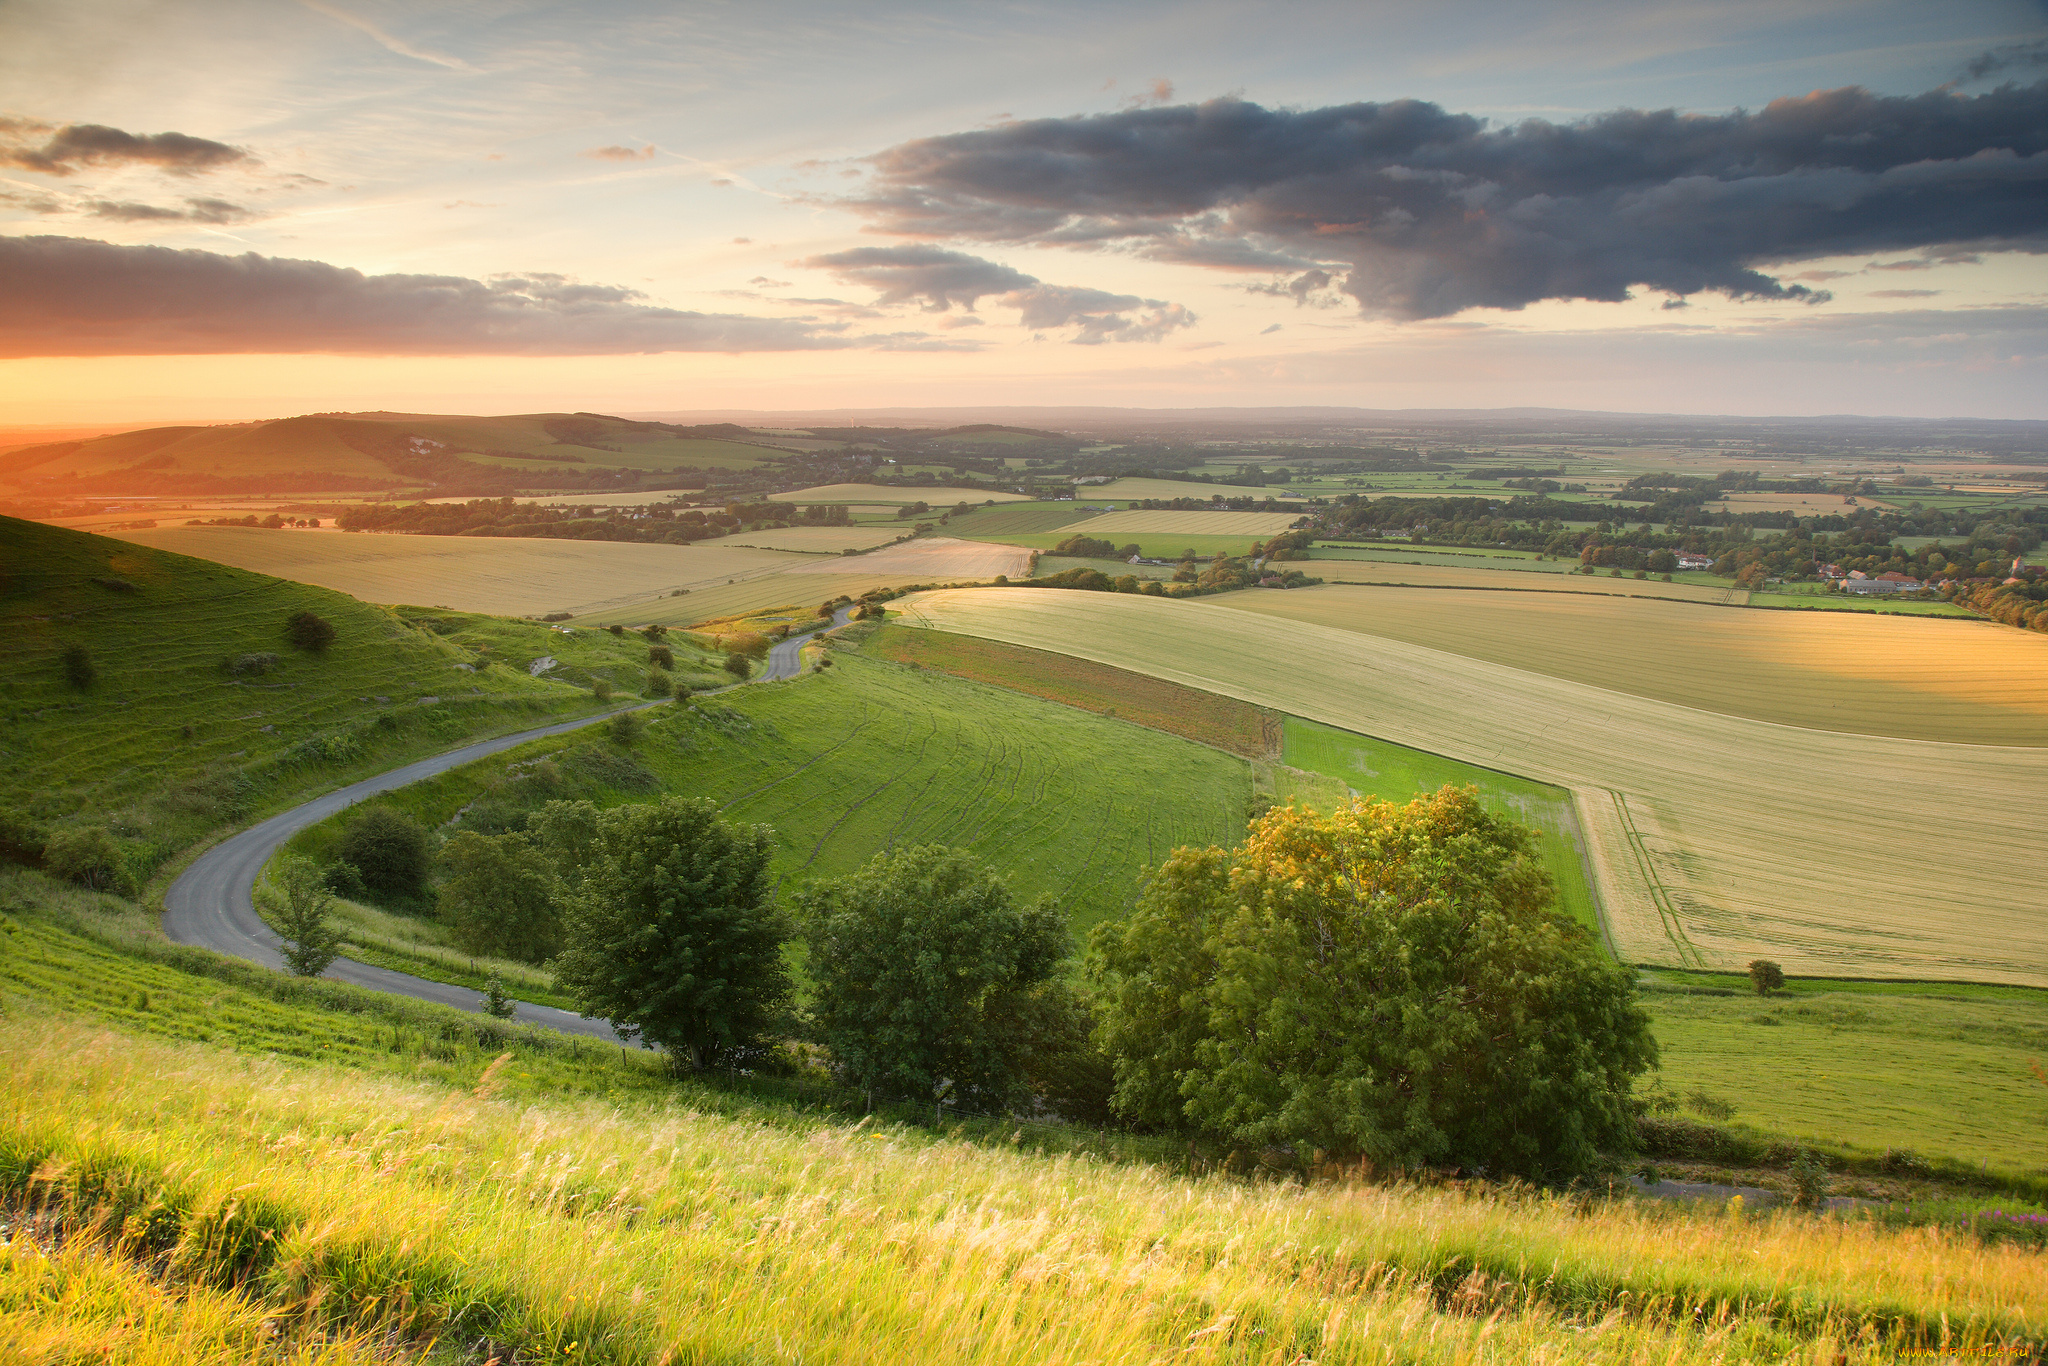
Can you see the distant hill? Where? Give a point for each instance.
(383, 452)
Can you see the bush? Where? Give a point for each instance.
(616, 629)
(495, 1002)
(345, 880)
(739, 666)
(389, 850)
(601, 689)
(21, 837)
(658, 684)
(1086, 547)
(625, 727)
(78, 667)
(86, 855)
(1809, 1179)
(1766, 976)
(661, 656)
(502, 896)
(309, 632)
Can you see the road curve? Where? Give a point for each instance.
(212, 903)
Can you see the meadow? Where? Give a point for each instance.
(867, 756)
(1163, 490)
(1970, 682)
(1713, 839)
(1520, 576)
(512, 576)
(813, 540)
(534, 1198)
(996, 523)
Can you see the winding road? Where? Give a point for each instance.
(212, 903)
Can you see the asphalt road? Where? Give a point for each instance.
(212, 904)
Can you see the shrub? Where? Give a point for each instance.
(21, 837)
(86, 855)
(661, 656)
(258, 664)
(1700, 1102)
(496, 1003)
(501, 896)
(309, 632)
(739, 666)
(78, 667)
(658, 684)
(389, 850)
(616, 629)
(558, 616)
(1765, 976)
(601, 689)
(345, 880)
(625, 727)
(1809, 1179)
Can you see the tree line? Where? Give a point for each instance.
(1387, 983)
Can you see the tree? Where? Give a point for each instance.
(625, 728)
(78, 667)
(86, 855)
(501, 896)
(661, 656)
(658, 684)
(311, 942)
(923, 965)
(1765, 976)
(389, 850)
(738, 666)
(495, 1002)
(309, 632)
(1387, 982)
(671, 935)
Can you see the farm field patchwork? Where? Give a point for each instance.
(939, 496)
(1161, 490)
(1528, 576)
(1714, 839)
(1971, 682)
(803, 584)
(931, 558)
(512, 576)
(1140, 525)
(997, 523)
(1150, 545)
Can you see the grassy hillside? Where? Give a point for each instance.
(357, 1167)
(200, 712)
(868, 756)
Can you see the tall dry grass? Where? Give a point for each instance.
(589, 1233)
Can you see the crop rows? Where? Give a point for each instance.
(1714, 839)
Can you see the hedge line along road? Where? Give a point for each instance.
(213, 902)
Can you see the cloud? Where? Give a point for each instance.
(69, 296)
(937, 279)
(1269, 331)
(763, 282)
(385, 40)
(617, 153)
(1424, 213)
(1905, 293)
(1159, 92)
(36, 146)
(1309, 287)
(2008, 57)
(216, 211)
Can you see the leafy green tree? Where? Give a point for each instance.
(1765, 976)
(671, 934)
(661, 656)
(311, 941)
(626, 727)
(86, 855)
(923, 965)
(738, 666)
(567, 832)
(1388, 982)
(501, 896)
(389, 850)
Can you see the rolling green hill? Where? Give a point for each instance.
(199, 712)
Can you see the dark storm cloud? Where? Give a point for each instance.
(2010, 57)
(937, 279)
(1426, 213)
(69, 296)
(36, 146)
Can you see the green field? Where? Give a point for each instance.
(1808, 597)
(1375, 768)
(1152, 547)
(868, 756)
(1003, 523)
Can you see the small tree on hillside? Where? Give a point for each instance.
(309, 632)
(1765, 976)
(671, 936)
(86, 855)
(661, 656)
(390, 852)
(311, 941)
(924, 968)
(739, 666)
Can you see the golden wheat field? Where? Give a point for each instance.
(887, 495)
(505, 575)
(1714, 839)
(1920, 678)
(1530, 580)
(1111, 524)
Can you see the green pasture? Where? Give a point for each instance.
(1809, 597)
(868, 756)
(1858, 1067)
(1154, 546)
(1375, 768)
(1006, 521)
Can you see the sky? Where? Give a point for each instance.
(217, 210)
